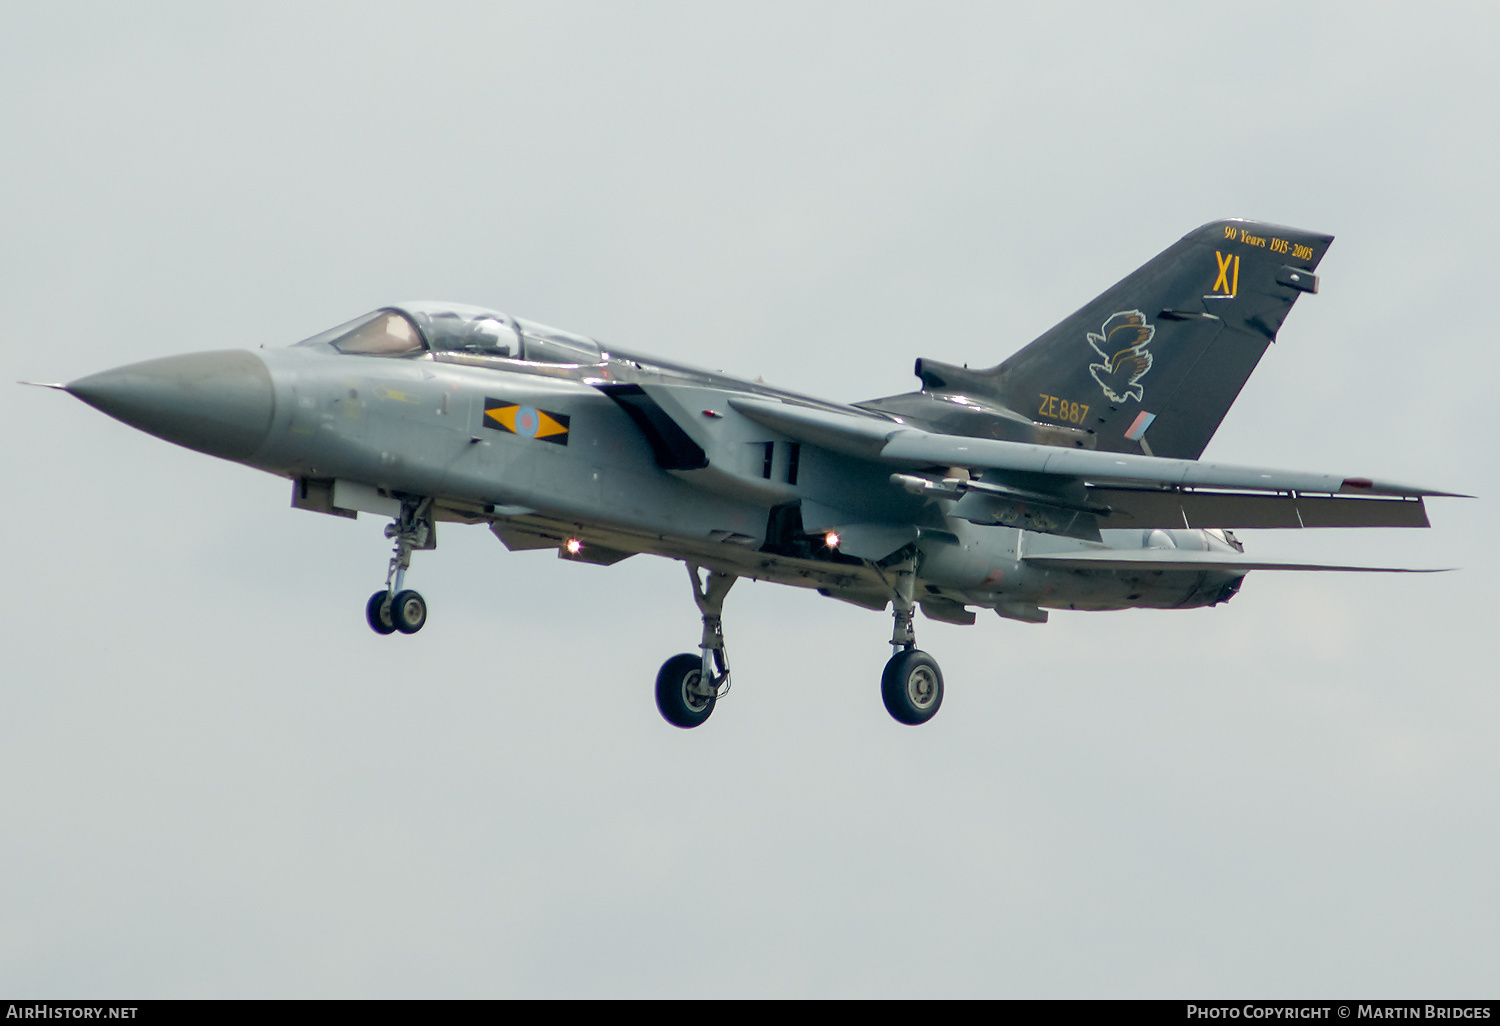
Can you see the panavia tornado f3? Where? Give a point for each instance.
(1066, 477)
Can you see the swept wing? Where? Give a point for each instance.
(1124, 489)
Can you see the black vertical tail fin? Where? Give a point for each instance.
(1154, 363)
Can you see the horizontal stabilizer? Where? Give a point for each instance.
(1178, 559)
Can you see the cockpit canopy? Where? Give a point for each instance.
(411, 329)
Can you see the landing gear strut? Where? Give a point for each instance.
(396, 608)
(912, 684)
(688, 685)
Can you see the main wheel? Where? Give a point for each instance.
(912, 687)
(378, 613)
(679, 706)
(408, 612)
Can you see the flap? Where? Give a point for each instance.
(1156, 507)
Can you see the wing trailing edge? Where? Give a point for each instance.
(1175, 507)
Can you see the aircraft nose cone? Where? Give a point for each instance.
(219, 403)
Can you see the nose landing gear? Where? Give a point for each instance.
(395, 608)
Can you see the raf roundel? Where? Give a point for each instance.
(526, 421)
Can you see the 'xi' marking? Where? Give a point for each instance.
(1228, 281)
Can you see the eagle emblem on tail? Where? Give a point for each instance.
(1121, 344)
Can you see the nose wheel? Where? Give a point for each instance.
(397, 608)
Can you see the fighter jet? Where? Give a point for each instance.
(1066, 477)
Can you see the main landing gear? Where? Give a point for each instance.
(912, 684)
(397, 608)
(688, 685)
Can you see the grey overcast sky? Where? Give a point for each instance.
(216, 781)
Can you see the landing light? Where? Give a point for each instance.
(574, 546)
(831, 540)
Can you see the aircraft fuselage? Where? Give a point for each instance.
(541, 452)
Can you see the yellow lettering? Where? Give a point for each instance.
(1228, 281)
(1057, 408)
(1221, 283)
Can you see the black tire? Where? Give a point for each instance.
(678, 707)
(912, 687)
(408, 612)
(378, 613)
